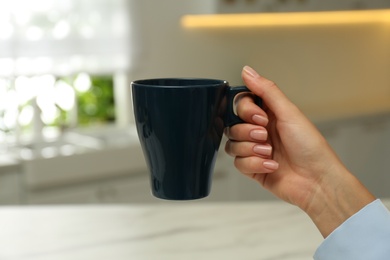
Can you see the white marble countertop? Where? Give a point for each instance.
(256, 230)
(249, 230)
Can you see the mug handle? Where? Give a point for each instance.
(231, 118)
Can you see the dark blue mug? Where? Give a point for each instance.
(180, 123)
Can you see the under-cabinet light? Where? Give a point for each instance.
(285, 19)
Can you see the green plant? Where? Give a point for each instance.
(97, 106)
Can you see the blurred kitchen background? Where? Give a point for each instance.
(66, 123)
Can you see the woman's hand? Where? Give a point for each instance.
(282, 150)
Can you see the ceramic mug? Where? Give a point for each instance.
(180, 123)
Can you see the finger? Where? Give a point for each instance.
(246, 149)
(269, 92)
(255, 165)
(248, 111)
(247, 132)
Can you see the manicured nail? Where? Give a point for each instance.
(260, 120)
(259, 135)
(251, 72)
(262, 149)
(271, 165)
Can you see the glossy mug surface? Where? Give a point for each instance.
(180, 124)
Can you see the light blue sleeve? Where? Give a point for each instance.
(364, 236)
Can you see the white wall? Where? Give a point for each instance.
(321, 68)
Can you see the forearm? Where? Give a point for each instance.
(339, 196)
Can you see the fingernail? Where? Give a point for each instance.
(260, 120)
(262, 149)
(251, 72)
(257, 134)
(271, 165)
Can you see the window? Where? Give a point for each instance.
(57, 59)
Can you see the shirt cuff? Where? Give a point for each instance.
(365, 235)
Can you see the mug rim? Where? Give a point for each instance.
(154, 82)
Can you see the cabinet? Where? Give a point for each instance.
(363, 144)
(11, 186)
(133, 188)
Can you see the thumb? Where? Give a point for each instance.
(271, 95)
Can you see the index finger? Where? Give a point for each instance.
(269, 92)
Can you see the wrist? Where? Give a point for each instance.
(336, 198)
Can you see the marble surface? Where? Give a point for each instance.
(249, 230)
